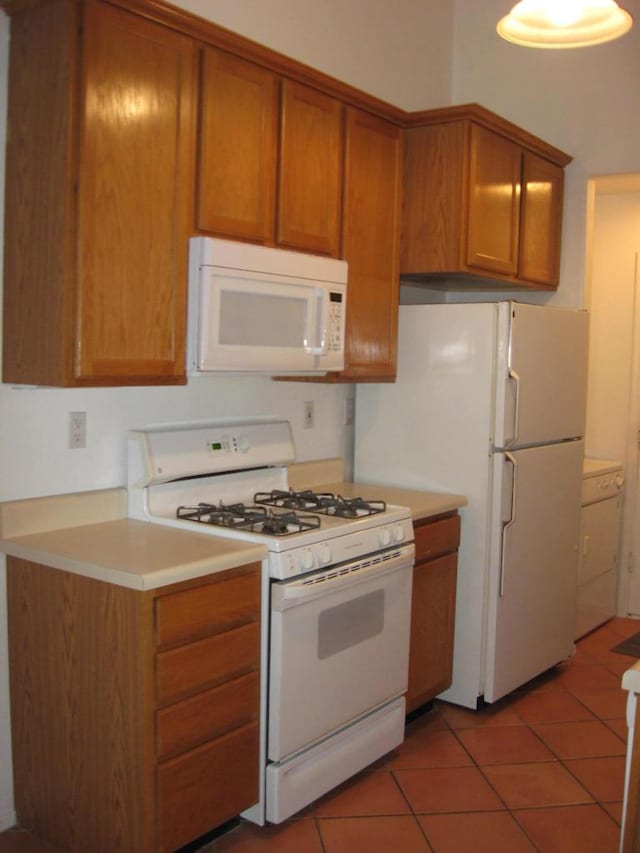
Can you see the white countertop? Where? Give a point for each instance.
(135, 554)
(591, 466)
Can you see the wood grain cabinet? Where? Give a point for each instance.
(433, 608)
(98, 196)
(237, 148)
(371, 245)
(135, 715)
(483, 198)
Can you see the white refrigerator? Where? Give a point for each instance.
(489, 402)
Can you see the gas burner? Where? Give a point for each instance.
(256, 519)
(350, 507)
(292, 499)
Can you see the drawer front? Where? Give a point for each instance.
(183, 617)
(436, 538)
(208, 715)
(199, 666)
(204, 788)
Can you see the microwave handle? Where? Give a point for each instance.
(318, 324)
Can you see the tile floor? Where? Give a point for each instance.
(542, 770)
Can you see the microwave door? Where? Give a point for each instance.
(256, 324)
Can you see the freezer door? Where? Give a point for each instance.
(534, 562)
(542, 359)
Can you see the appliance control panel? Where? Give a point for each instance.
(602, 486)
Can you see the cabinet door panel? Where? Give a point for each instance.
(494, 202)
(541, 230)
(134, 199)
(310, 170)
(371, 229)
(206, 787)
(238, 147)
(432, 625)
(436, 538)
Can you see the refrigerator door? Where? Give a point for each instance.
(431, 430)
(534, 562)
(542, 356)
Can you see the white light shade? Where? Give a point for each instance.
(564, 23)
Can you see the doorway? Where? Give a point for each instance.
(612, 296)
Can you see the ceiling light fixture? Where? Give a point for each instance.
(564, 23)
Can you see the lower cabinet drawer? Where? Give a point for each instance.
(207, 715)
(437, 537)
(198, 666)
(204, 788)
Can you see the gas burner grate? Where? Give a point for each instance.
(256, 519)
(325, 503)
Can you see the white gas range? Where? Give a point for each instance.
(336, 596)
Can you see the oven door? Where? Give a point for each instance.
(339, 647)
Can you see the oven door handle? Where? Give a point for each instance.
(286, 594)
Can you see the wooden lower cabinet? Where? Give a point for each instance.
(114, 749)
(433, 608)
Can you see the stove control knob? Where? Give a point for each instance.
(384, 537)
(398, 533)
(325, 555)
(306, 559)
(243, 443)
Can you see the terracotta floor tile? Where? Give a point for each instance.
(606, 704)
(504, 745)
(447, 789)
(602, 777)
(618, 726)
(290, 837)
(482, 832)
(583, 739)
(588, 676)
(624, 626)
(366, 795)
(491, 715)
(553, 705)
(535, 785)
(431, 749)
(573, 829)
(372, 835)
(615, 810)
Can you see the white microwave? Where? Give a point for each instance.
(255, 309)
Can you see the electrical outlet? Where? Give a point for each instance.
(77, 430)
(308, 414)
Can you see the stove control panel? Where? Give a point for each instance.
(295, 561)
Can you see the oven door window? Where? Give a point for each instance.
(345, 625)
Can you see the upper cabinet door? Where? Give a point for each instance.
(134, 199)
(238, 150)
(310, 170)
(371, 244)
(494, 202)
(541, 227)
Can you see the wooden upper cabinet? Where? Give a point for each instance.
(99, 189)
(238, 148)
(542, 188)
(482, 198)
(310, 173)
(371, 242)
(494, 202)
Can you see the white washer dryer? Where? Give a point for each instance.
(602, 488)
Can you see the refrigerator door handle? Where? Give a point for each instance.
(512, 516)
(513, 375)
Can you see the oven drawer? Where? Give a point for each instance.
(198, 666)
(207, 715)
(183, 617)
(207, 786)
(437, 537)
